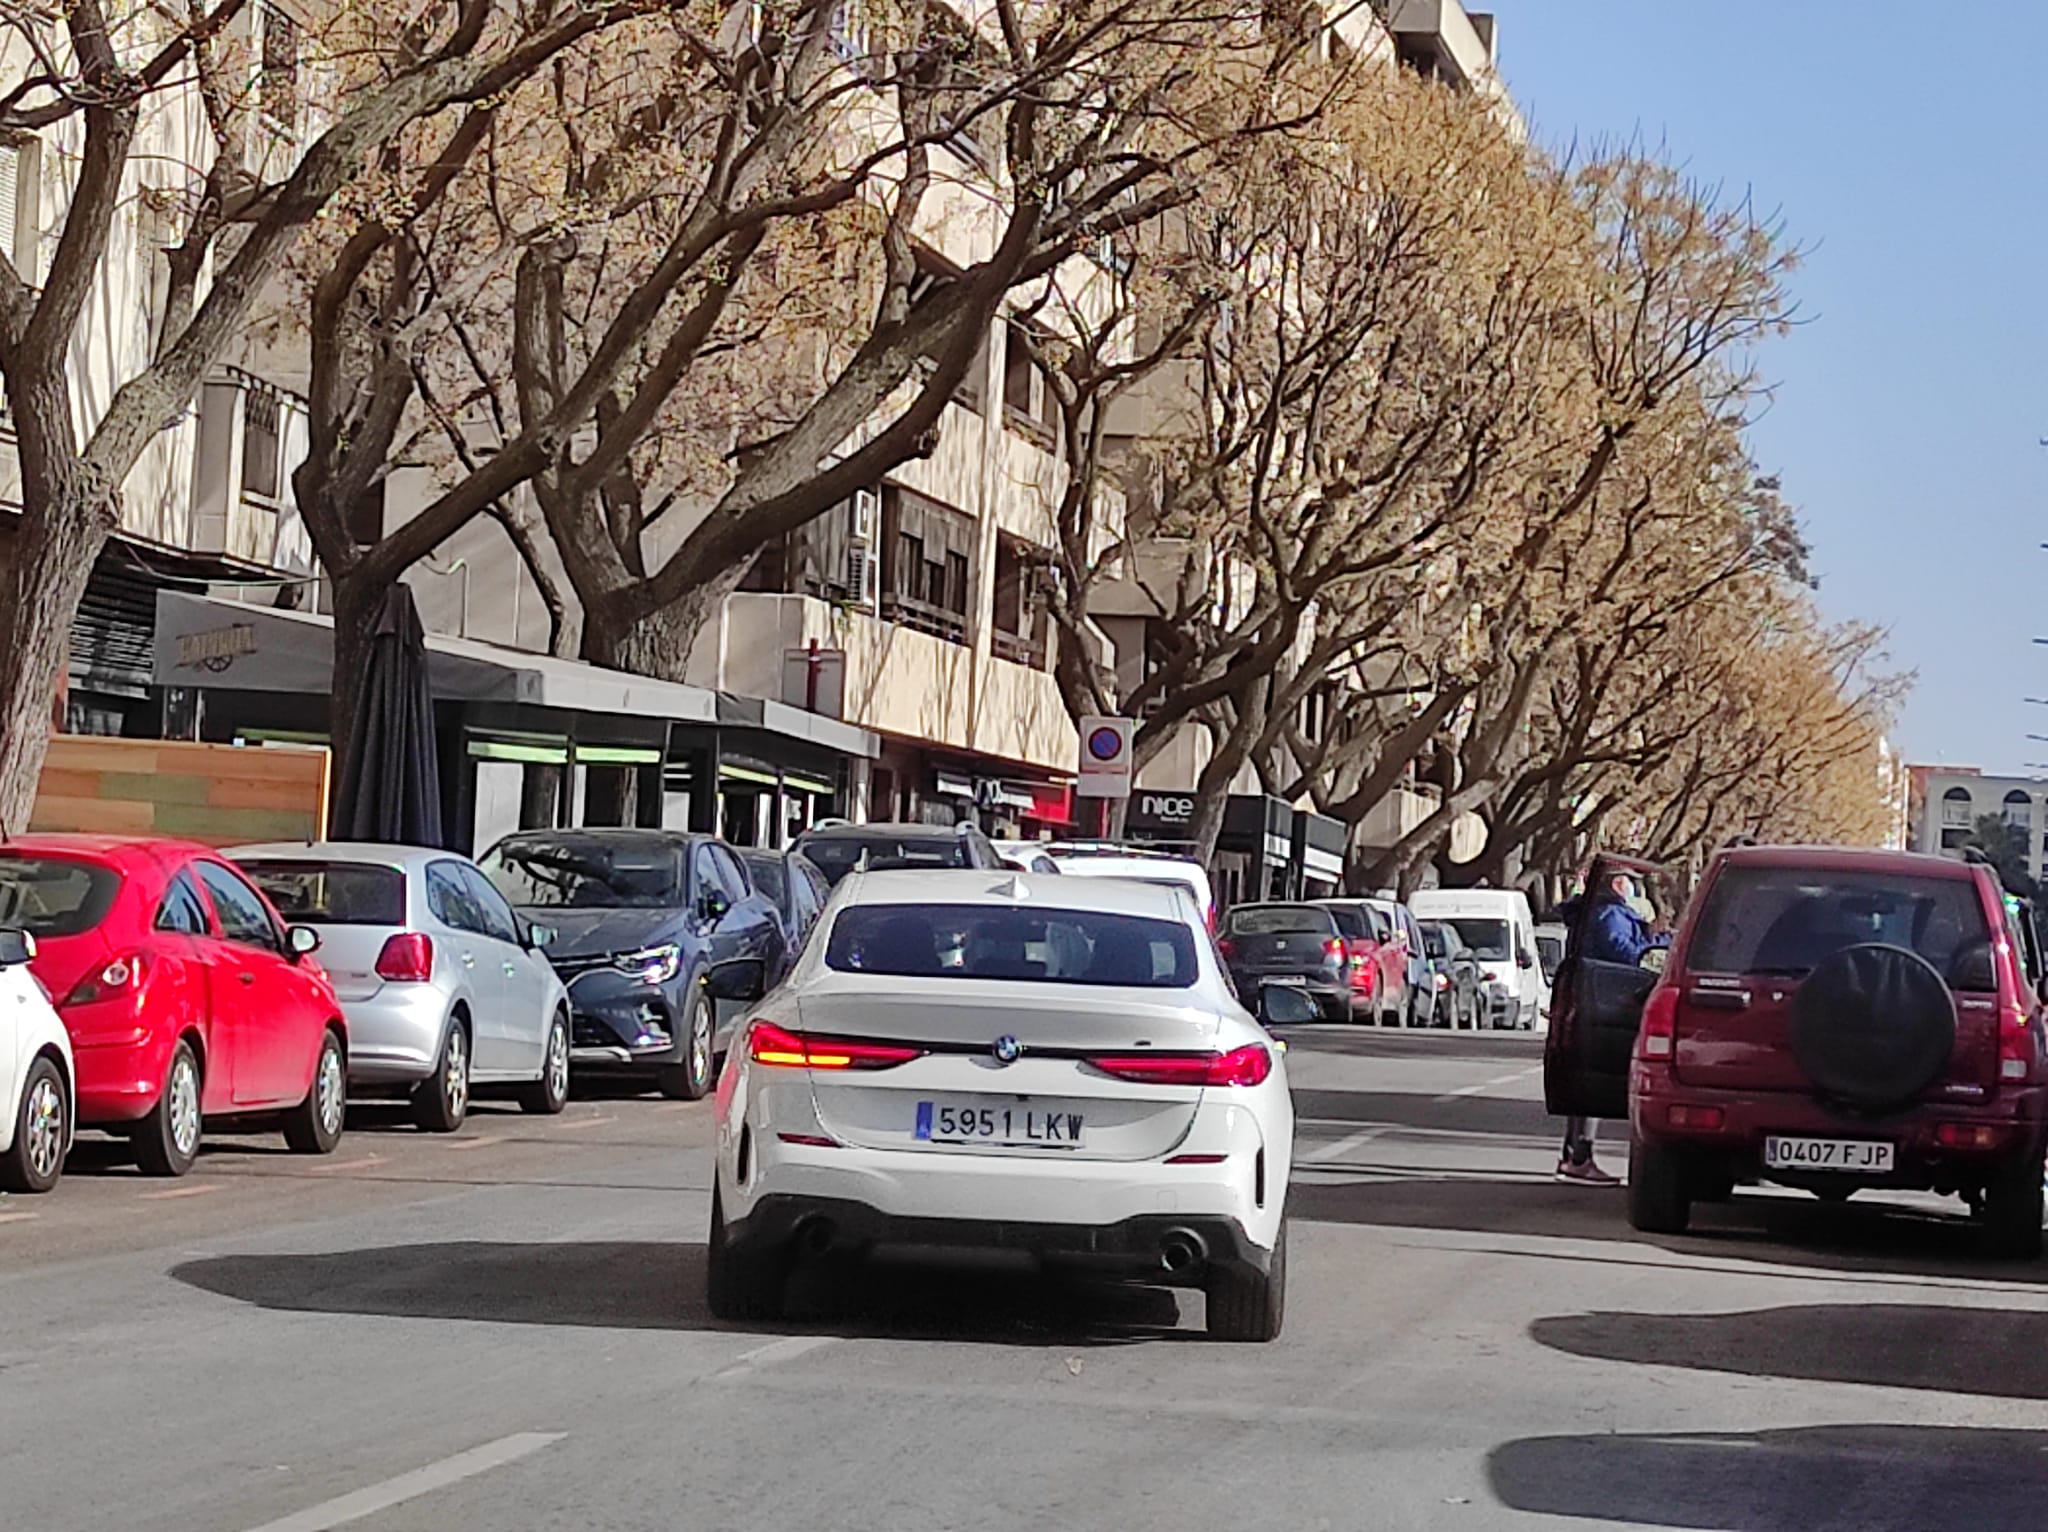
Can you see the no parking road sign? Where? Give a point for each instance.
(1105, 758)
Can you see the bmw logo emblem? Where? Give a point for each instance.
(1007, 1049)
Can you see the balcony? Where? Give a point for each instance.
(897, 679)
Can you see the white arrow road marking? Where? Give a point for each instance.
(368, 1501)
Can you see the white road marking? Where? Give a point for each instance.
(787, 1349)
(197, 1189)
(368, 1501)
(471, 1143)
(1344, 1146)
(335, 1167)
(572, 1125)
(1486, 1085)
(18, 1217)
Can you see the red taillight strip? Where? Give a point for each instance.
(1249, 1065)
(770, 1044)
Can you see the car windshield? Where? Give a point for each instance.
(54, 896)
(1281, 920)
(969, 941)
(1786, 920)
(1487, 938)
(331, 893)
(1350, 920)
(587, 873)
(838, 855)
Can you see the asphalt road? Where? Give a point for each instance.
(506, 1330)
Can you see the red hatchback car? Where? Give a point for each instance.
(185, 995)
(1831, 1020)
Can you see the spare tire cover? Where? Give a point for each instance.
(1873, 1026)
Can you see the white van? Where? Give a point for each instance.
(1497, 925)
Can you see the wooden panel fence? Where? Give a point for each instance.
(219, 795)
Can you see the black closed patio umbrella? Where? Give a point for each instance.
(390, 787)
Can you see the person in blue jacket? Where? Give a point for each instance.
(1617, 931)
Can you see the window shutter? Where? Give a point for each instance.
(10, 198)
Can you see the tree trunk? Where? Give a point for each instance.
(52, 558)
(656, 646)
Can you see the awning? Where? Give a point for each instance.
(218, 644)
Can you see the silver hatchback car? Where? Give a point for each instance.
(444, 987)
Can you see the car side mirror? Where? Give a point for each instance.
(743, 979)
(714, 905)
(1524, 958)
(1282, 1005)
(540, 938)
(302, 940)
(16, 947)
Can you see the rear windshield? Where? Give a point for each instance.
(1488, 939)
(54, 896)
(1785, 920)
(968, 941)
(332, 893)
(1281, 920)
(837, 855)
(1350, 920)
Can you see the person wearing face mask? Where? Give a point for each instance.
(1617, 931)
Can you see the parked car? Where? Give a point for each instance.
(1496, 924)
(1830, 1020)
(1420, 1010)
(445, 988)
(1056, 1068)
(795, 887)
(1297, 945)
(37, 1105)
(1138, 864)
(185, 996)
(1026, 855)
(640, 917)
(1379, 968)
(837, 849)
(1455, 976)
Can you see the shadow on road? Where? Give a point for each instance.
(1960, 1350)
(1862, 1236)
(1869, 1478)
(657, 1286)
(1423, 1043)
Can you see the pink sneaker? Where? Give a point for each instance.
(1588, 1174)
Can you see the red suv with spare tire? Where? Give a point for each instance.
(1831, 1020)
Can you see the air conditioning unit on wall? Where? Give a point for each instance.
(864, 578)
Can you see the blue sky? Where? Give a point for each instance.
(1906, 146)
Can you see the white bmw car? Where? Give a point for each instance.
(1021, 1061)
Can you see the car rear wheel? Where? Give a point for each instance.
(2012, 1213)
(691, 1079)
(1659, 1200)
(441, 1101)
(1249, 1305)
(550, 1093)
(742, 1283)
(314, 1125)
(42, 1129)
(167, 1140)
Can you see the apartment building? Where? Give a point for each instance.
(1953, 806)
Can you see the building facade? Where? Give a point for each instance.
(1959, 805)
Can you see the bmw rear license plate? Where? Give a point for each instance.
(1855, 1156)
(1012, 1125)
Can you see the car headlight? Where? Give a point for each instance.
(652, 965)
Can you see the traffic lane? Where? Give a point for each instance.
(430, 1346)
(105, 1205)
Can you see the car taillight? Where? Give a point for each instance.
(123, 976)
(1249, 1065)
(2015, 1047)
(769, 1044)
(1333, 948)
(1443, 981)
(407, 958)
(1226, 948)
(1658, 1038)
